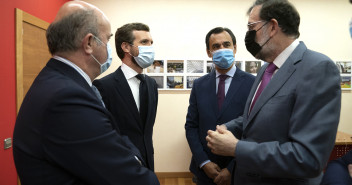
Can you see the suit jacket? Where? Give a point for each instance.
(337, 171)
(203, 115)
(63, 135)
(119, 101)
(290, 133)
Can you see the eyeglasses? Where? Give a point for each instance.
(251, 25)
(99, 40)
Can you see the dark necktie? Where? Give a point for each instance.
(143, 98)
(97, 93)
(221, 90)
(269, 71)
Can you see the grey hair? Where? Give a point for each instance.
(67, 34)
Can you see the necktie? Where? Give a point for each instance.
(97, 93)
(143, 98)
(269, 71)
(221, 90)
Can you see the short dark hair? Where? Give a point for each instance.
(67, 34)
(125, 34)
(283, 11)
(216, 31)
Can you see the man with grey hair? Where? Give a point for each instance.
(291, 116)
(63, 133)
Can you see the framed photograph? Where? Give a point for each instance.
(346, 82)
(195, 66)
(253, 66)
(174, 82)
(175, 66)
(156, 67)
(344, 67)
(210, 66)
(159, 81)
(190, 80)
(238, 64)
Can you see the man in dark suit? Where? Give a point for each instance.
(122, 91)
(63, 133)
(207, 108)
(291, 115)
(339, 171)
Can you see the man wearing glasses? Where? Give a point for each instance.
(292, 112)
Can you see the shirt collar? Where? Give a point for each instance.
(280, 60)
(74, 66)
(230, 73)
(127, 71)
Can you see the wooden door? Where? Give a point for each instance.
(32, 52)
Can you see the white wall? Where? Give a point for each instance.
(178, 28)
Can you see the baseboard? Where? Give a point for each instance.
(174, 174)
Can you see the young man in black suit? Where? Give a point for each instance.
(131, 96)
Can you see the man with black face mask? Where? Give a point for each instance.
(291, 116)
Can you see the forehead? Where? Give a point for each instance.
(141, 35)
(254, 14)
(217, 38)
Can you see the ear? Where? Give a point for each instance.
(210, 55)
(126, 47)
(88, 43)
(274, 27)
(234, 49)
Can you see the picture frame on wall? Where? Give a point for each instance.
(190, 80)
(175, 66)
(159, 81)
(195, 66)
(344, 67)
(174, 82)
(253, 66)
(345, 82)
(210, 66)
(156, 67)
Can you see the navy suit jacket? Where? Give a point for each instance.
(203, 115)
(337, 171)
(290, 132)
(64, 136)
(118, 98)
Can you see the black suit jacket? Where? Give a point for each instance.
(64, 136)
(118, 98)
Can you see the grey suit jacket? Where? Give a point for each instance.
(290, 133)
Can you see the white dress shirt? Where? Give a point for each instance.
(228, 80)
(132, 81)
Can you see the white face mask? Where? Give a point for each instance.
(145, 57)
(107, 63)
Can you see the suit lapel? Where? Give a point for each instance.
(125, 91)
(277, 81)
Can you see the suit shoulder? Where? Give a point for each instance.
(246, 75)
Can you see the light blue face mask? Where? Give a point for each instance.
(223, 58)
(145, 57)
(107, 63)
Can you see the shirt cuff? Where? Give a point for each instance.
(204, 163)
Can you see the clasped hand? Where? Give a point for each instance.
(221, 142)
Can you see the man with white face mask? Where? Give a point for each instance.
(63, 134)
(216, 98)
(128, 94)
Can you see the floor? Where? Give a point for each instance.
(176, 181)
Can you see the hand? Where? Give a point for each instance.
(222, 142)
(350, 169)
(223, 126)
(224, 177)
(211, 170)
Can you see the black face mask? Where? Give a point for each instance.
(252, 46)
